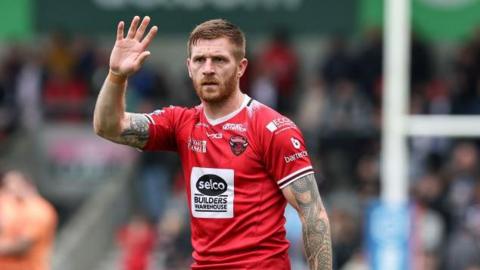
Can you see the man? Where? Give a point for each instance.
(242, 161)
(27, 225)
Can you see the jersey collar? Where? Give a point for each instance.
(229, 116)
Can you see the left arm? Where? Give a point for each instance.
(303, 195)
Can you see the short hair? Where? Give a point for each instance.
(219, 28)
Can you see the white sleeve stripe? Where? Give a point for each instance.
(286, 178)
(295, 178)
(150, 119)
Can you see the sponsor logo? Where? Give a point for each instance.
(295, 156)
(272, 127)
(211, 185)
(295, 143)
(238, 144)
(201, 124)
(212, 192)
(199, 146)
(280, 123)
(234, 127)
(215, 135)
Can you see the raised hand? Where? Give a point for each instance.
(130, 52)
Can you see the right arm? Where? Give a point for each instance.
(110, 120)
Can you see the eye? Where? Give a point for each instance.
(199, 59)
(219, 59)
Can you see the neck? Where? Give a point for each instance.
(216, 110)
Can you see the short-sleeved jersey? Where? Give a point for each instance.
(235, 168)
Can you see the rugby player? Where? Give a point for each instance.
(242, 160)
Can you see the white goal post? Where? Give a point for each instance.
(390, 236)
(395, 101)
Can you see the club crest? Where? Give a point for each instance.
(238, 144)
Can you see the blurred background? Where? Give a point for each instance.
(318, 62)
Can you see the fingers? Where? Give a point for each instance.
(133, 27)
(141, 58)
(120, 27)
(141, 29)
(149, 37)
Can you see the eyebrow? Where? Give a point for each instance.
(196, 57)
(210, 55)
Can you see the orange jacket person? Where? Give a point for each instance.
(27, 225)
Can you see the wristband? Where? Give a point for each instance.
(116, 78)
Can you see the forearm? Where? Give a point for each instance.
(304, 196)
(110, 107)
(317, 240)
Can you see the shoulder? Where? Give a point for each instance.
(176, 110)
(267, 119)
(174, 113)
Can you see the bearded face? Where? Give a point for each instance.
(214, 70)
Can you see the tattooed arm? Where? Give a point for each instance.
(110, 120)
(303, 195)
(128, 54)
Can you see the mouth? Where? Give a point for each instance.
(211, 83)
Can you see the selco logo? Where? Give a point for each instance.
(211, 185)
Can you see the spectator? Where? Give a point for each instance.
(9, 70)
(280, 61)
(338, 63)
(136, 240)
(427, 224)
(65, 94)
(347, 111)
(464, 175)
(27, 225)
(369, 65)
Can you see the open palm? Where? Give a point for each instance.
(130, 52)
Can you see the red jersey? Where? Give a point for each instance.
(235, 168)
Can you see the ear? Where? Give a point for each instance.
(188, 68)
(242, 66)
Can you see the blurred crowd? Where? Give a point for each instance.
(338, 106)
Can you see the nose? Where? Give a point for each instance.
(208, 68)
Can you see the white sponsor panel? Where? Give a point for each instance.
(271, 126)
(212, 192)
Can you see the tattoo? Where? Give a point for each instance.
(316, 228)
(136, 134)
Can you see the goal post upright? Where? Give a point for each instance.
(395, 101)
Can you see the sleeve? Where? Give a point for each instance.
(162, 129)
(286, 156)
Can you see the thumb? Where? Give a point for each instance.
(141, 58)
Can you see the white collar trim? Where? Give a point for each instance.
(229, 116)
